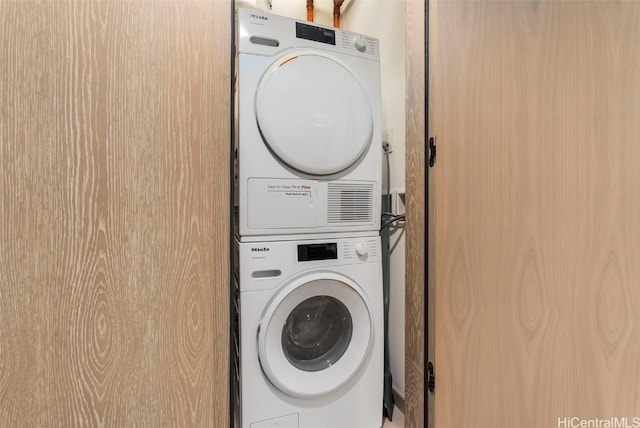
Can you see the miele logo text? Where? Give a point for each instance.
(260, 17)
(259, 250)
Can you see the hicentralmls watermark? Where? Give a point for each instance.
(613, 422)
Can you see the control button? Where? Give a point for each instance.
(360, 43)
(361, 249)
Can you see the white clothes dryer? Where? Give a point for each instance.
(310, 333)
(307, 135)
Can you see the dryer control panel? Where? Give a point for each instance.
(317, 34)
(266, 34)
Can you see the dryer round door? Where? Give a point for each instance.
(315, 335)
(313, 113)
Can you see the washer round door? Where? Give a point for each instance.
(313, 113)
(315, 335)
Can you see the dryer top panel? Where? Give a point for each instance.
(261, 33)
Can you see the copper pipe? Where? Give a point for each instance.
(310, 10)
(336, 12)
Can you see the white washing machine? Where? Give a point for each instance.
(308, 138)
(310, 333)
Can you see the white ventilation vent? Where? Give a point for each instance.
(350, 203)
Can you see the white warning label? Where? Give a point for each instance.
(291, 189)
(282, 203)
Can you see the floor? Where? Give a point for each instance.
(398, 420)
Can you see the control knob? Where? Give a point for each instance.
(360, 43)
(361, 249)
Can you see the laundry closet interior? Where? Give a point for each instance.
(116, 205)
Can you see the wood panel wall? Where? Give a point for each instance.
(538, 213)
(415, 282)
(114, 211)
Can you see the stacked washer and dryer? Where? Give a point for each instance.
(308, 310)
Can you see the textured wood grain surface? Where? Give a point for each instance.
(114, 153)
(538, 212)
(415, 225)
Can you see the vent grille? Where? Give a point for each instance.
(350, 203)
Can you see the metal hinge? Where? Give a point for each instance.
(432, 152)
(431, 378)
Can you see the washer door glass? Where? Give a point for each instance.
(313, 114)
(315, 335)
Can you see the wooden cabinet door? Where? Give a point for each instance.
(535, 107)
(114, 211)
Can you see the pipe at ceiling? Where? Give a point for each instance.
(336, 12)
(310, 10)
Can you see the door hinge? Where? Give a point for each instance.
(431, 377)
(432, 152)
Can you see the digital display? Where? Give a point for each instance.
(317, 34)
(311, 252)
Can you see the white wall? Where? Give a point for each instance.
(383, 19)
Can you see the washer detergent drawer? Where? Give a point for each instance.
(289, 421)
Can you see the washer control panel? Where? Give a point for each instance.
(272, 256)
(321, 251)
(350, 249)
(264, 265)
